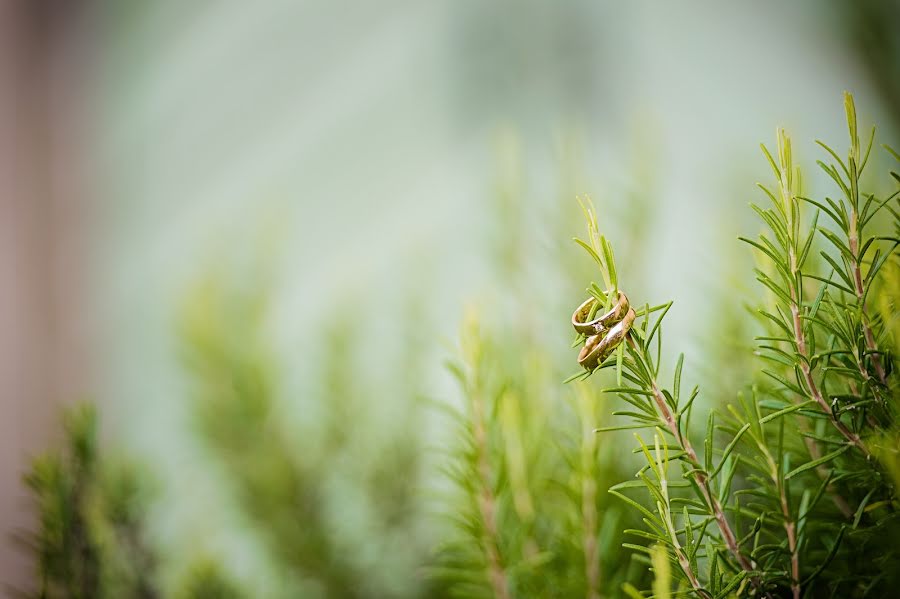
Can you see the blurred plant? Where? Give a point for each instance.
(792, 491)
(526, 471)
(91, 540)
(529, 518)
(299, 488)
(819, 423)
(206, 580)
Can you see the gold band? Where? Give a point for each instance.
(599, 347)
(601, 323)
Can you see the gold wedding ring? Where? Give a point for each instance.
(605, 333)
(601, 323)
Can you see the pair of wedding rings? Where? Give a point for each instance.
(604, 333)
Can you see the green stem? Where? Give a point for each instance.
(487, 504)
(701, 477)
(800, 340)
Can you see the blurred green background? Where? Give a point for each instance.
(305, 196)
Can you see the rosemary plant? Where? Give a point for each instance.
(790, 492)
(527, 507)
(294, 495)
(524, 495)
(91, 541)
(794, 490)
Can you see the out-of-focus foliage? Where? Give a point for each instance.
(206, 580)
(538, 491)
(528, 511)
(91, 540)
(301, 487)
(337, 497)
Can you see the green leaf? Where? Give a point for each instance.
(866, 217)
(676, 387)
(850, 110)
(818, 462)
(824, 564)
(729, 448)
(634, 484)
(832, 172)
(623, 427)
(876, 266)
(891, 151)
(777, 377)
(685, 412)
(835, 156)
(865, 159)
(775, 202)
(713, 568)
(838, 243)
(777, 321)
(578, 376)
(834, 215)
(778, 260)
(730, 471)
(732, 584)
(634, 504)
(632, 592)
(862, 508)
(780, 293)
(694, 393)
(590, 251)
(788, 410)
(804, 253)
(841, 209)
(776, 226)
(627, 390)
(834, 284)
(610, 262)
(620, 351)
(778, 356)
(840, 271)
(772, 164)
(654, 419)
(656, 324)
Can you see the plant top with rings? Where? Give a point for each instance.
(800, 497)
(790, 490)
(604, 319)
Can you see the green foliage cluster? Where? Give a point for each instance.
(541, 489)
(290, 494)
(526, 508)
(296, 481)
(205, 579)
(529, 511)
(91, 540)
(794, 491)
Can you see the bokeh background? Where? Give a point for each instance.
(363, 167)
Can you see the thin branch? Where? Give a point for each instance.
(790, 526)
(790, 210)
(702, 479)
(487, 504)
(589, 518)
(683, 560)
(859, 290)
(801, 342)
